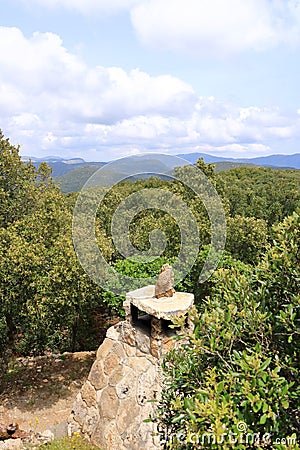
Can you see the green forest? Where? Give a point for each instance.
(240, 365)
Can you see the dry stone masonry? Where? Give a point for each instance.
(126, 378)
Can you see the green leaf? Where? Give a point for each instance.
(265, 407)
(263, 419)
(265, 364)
(220, 387)
(178, 418)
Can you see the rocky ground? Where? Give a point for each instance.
(38, 392)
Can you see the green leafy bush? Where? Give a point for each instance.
(237, 375)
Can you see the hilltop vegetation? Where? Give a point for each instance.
(242, 362)
(74, 180)
(235, 382)
(72, 174)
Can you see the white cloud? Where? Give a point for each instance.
(216, 26)
(42, 70)
(86, 6)
(51, 102)
(200, 27)
(228, 129)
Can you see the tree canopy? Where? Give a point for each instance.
(241, 363)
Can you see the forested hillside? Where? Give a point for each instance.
(241, 365)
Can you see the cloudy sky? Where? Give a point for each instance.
(101, 79)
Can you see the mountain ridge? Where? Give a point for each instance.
(277, 160)
(71, 174)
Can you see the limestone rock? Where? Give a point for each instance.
(127, 386)
(11, 444)
(88, 394)
(127, 415)
(128, 334)
(109, 403)
(117, 375)
(106, 436)
(113, 333)
(92, 418)
(79, 412)
(165, 283)
(142, 342)
(162, 308)
(110, 363)
(97, 377)
(59, 430)
(106, 346)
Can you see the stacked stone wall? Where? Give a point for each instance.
(125, 381)
(120, 393)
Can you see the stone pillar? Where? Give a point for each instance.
(114, 402)
(126, 377)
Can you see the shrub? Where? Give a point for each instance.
(237, 376)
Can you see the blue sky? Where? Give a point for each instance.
(102, 79)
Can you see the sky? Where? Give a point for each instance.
(103, 79)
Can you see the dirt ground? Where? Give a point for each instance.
(39, 392)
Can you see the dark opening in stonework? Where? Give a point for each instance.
(143, 321)
(140, 319)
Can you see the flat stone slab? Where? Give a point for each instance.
(161, 308)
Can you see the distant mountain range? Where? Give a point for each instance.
(288, 161)
(61, 166)
(71, 174)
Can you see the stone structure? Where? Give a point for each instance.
(126, 379)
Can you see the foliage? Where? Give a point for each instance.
(260, 192)
(134, 270)
(74, 180)
(246, 238)
(75, 442)
(241, 364)
(47, 302)
(16, 178)
(238, 372)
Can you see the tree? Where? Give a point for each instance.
(241, 363)
(17, 184)
(247, 238)
(47, 302)
(261, 192)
